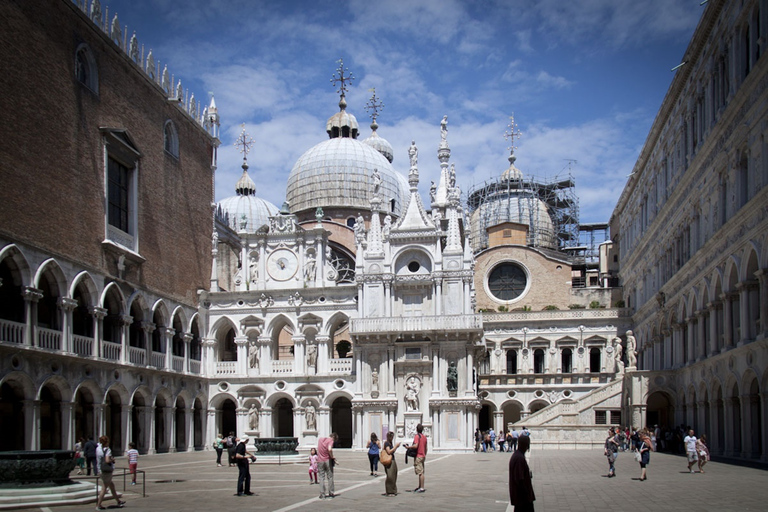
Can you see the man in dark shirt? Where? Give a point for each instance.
(89, 450)
(243, 458)
(520, 487)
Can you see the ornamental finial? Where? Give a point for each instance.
(244, 143)
(374, 105)
(342, 76)
(512, 133)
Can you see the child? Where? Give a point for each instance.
(133, 461)
(312, 466)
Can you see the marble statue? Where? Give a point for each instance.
(134, 48)
(376, 182)
(618, 355)
(253, 356)
(444, 129)
(310, 416)
(387, 226)
(311, 268)
(631, 350)
(412, 387)
(116, 34)
(375, 380)
(453, 377)
(452, 176)
(413, 154)
(311, 355)
(432, 192)
(253, 418)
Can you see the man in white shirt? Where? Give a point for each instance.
(690, 449)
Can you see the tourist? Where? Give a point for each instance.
(486, 440)
(244, 459)
(313, 466)
(493, 439)
(521, 494)
(133, 461)
(218, 445)
(390, 486)
(502, 439)
(420, 443)
(515, 437)
(690, 449)
(79, 457)
(611, 451)
(325, 463)
(509, 441)
(644, 447)
(478, 439)
(106, 463)
(89, 449)
(374, 447)
(703, 451)
(231, 446)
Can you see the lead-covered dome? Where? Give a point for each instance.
(338, 172)
(244, 211)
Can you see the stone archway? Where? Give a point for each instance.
(84, 419)
(341, 421)
(12, 427)
(485, 417)
(513, 412)
(282, 413)
(227, 417)
(198, 417)
(113, 414)
(659, 410)
(161, 440)
(50, 418)
(180, 432)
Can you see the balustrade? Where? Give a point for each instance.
(177, 363)
(226, 367)
(83, 345)
(285, 366)
(194, 366)
(158, 360)
(111, 350)
(340, 365)
(12, 332)
(48, 338)
(137, 356)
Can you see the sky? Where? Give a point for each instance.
(583, 78)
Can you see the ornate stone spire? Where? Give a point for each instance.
(245, 185)
(342, 124)
(373, 107)
(511, 134)
(443, 155)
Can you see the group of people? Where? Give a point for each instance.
(99, 457)
(643, 443)
(487, 440)
(237, 455)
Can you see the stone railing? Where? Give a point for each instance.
(340, 365)
(111, 350)
(82, 345)
(226, 367)
(177, 363)
(282, 366)
(157, 360)
(567, 314)
(48, 338)
(137, 355)
(416, 324)
(194, 366)
(12, 332)
(571, 407)
(535, 379)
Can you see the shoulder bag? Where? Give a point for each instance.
(385, 457)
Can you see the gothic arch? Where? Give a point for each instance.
(334, 321)
(18, 263)
(160, 308)
(89, 285)
(121, 391)
(221, 325)
(278, 323)
(20, 381)
(61, 384)
(112, 289)
(91, 387)
(181, 315)
(52, 266)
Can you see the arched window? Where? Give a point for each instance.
(171, 139)
(538, 361)
(511, 361)
(594, 360)
(85, 68)
(566, 360)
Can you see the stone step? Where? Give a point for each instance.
(75, 494)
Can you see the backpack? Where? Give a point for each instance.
(230, 444)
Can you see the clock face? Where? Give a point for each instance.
(282, 265)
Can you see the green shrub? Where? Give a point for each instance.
(503, 309)
(577, 306)
(551, 308)
(595, 304)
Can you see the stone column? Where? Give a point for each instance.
(187, 340)
(323, 421)
(746, 422)
(322, 354)
(299, 354)
(209, 359)
(210, 429)
(168, 346)
(763, 326)
(241, 342)
(31, 296)
(147, 328)
(66, 306)
(728, 427)
(690, 344)
(745, 330)
(264, 351)
(31, 411)
(387, 298)
(714, 333)
(148, 415)
(438, 298)
(67, 425)
(189, 415)
(391, 392)
(126, 422)
(727, 322)
(125, 336)
(469, 391)
(498, 422)
(99, 423)
(170, 420)
(435, 354)
(98, 315)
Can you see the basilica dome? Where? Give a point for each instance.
(244, 211)
(338, 173)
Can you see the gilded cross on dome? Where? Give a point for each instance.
(374, 105)
(244, 143)
(342, 76)
(512, 133)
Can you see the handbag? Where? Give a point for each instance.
(385, 458)
(638, 455)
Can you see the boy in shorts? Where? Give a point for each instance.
(133, 461)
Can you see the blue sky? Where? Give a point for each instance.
(584, 79)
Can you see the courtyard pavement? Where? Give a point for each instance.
(563, 480)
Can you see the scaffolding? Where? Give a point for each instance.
(549, 208)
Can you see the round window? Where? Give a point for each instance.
(507, 281)
(414, 266)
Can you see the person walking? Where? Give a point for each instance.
(325, 463)
(106, 463)
(420, 443)
(89, 449)
(644, 447)
(374, 447)
(611, 451)
(502, 439)
(703, 452)
(79, 457)
(133, 461)
(313, 466)
(515, 437)
(231, 443)
(244, 459)
(390, 485)
(478, 439)
(521, 494)
(690, 449)
(218, 445)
